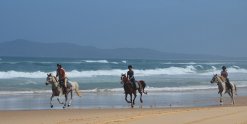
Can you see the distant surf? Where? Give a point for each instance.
(187, 70)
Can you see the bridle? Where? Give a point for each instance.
(51, 80)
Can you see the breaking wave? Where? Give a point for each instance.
(188, 70)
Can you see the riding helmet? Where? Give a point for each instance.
(130, 66)
(59, 65)
(223, 67)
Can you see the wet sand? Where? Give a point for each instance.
(227, 114)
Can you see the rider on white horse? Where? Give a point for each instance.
(61, 77)
(225, 75)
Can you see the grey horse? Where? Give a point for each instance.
(223, 88)
(57, 89)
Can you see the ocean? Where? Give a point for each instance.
(169, 82)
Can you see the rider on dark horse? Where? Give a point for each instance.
(225, 75)
(130, 76)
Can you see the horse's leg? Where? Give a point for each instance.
(140, 95)
(221, 99)
(235, 89)
(134, 97)
(51, 100)
(131, 101)
(70, 101)
(60, 93)
(144, 91)
(126, 98)
(59, 101)
(66, 98)
(231, 95)
(126, 95)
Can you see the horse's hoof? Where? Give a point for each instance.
(68, 105)
(64, 107)
(51, 106)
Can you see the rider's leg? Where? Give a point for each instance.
(65, 82)
(228, 83)
(62, 83)
(133, 84)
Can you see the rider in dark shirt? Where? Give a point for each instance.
(130, 76)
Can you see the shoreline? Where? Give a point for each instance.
(116, 101)
(196, 108)
(227, 114)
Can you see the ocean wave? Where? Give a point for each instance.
(192, 63)
(24, 92)
(188, 70)
(45, 62)
(100, 61)
(96, 61)
(16, 74)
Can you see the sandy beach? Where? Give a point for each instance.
(227, 114)
(180, 92)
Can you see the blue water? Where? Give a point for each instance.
(27, 76)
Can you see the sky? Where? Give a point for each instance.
(215, 27)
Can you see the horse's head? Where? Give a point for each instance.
(122, 75)
(214, 79)
(124, 78)
(49, 79)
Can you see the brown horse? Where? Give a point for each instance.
(128, 89)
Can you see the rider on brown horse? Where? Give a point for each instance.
(130, 76)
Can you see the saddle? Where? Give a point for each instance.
(223, 78)
(137, 85)
(65, 89)
(228, 85)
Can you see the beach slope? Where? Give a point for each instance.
(202, 115)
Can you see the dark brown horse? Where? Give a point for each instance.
(128, 89)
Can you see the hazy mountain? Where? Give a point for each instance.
(24, 48)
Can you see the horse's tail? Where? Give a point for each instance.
(143, 87)
(77, 89)
(235, 89)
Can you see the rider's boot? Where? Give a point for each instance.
(228, 85)
(134, 85)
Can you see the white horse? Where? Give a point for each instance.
(223, 88)
(58, 91)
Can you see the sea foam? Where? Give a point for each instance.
(188, 70)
